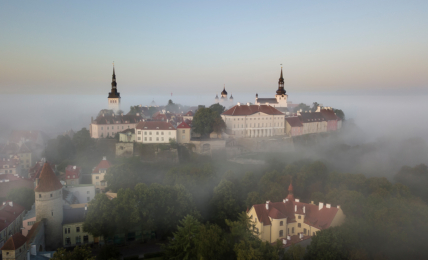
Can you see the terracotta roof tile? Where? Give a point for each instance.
(245, 110)
(183, 125)
(48, 180)
(14, 242)
(104, 164)
(329, 114)
(155, 125)
(294, 121)
(71, 172)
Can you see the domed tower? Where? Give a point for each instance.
(216, 99)
(49, 206)
(231, 98)
(224, 93)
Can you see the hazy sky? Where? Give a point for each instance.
(194, 47)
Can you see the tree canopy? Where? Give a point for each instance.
(207, 120)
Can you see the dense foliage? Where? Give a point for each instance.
(207, 120)
(22, 196)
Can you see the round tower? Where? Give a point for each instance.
(49, 206)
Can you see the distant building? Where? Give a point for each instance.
(11, 215)
(292, 220)
(10, 165)
(184, 132)
(15, 248)
(253, 121)
(83, 192)
(73, 233)
(73, 175)
(108, 124)
(127, 136)
(280, 99)
(224, 100)
(188, 116)
(293, 126)
(152, 132)
(98, 174)
(114, 96)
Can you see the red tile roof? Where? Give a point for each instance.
(117, 119)
(308, 117)
(294, 121)
(190, 113)
(329, 114)
(48, 180)
(14, 242)
(8, 214)
(155, 125)
(104, 164)
(183, 125)
(245, 110)
(72, 172)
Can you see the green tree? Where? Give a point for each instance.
(172, 107)
(22, 196)
(108, 252)
(183, 246)
(203, 121)
(295, 252)
(219, 125)
(224, 202)
(213, 243)
(99, 220)
(78, 253)
(125, 211)
(60, 149)
(82, 140)
(219, 109)
(339, 113)
(327, 244)
(314, 106)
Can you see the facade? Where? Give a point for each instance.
(290, 218)
(49, 205)
(183, 133)
(10, 165)
(26, 157)
(280, 99)
(107, 124)
(293, 126)
(72, 228)
(28, 220)
(155, 132)
(15, 248)
(114, 96)
(98, 174)
(313, 122)
(330, 117)
(127, 136)
(83, 192)
(188, 116)
(253, 121)
(73, 175)
(11, 215)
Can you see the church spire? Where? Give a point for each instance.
(281, 90)
(113, 79)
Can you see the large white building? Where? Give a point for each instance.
(107, 124)
(280, 99)
(152, 132)
(253, 121)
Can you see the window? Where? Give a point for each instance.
(78, 240)
(150, 133)
(157, 138)
(145, 138)
(89, 199)
(139, 138)
(162, 138)
(88, 192)
(299, 225)
(281, 223)
(183, 137)
(77, 229)
(292, 230)
(169, 133)
(157, 133)
(40, 195)
(150, 139)
(304, 231)
(97, 177)
(161, 133)
(51, 195)
(255, 220)
(281, 233)
(102, 128)
(139, 132)
(145, 133)
(52, 213)
(299, 217)
(313, 233)
(183, 131)
(85, 239)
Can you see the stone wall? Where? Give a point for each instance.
(124, 149)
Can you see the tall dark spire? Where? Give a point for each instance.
(113, 93)
(281, 90)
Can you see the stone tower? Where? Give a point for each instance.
(114, 96)
(49, 206)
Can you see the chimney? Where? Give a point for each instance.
(248, 104)
(338, 206)
(284, 200)
(320, 206)
(267, 204)
(11, 203)
(239, 104)
(304, 211)
(74, 167)
(297, 200)
(138, 114)
(284, 241)
(295, 208)
(328, 206)
(104, 158)
(312, 202)
(300, 235)
(288, 238)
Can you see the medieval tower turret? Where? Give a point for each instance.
(114, 96)
(49, 206)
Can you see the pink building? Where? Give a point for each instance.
(293, 126)
(331, 118)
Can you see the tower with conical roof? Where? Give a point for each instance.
(114, 96)
(280, 96)
(49, 206)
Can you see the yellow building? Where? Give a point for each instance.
(183, 133)
(98, 175)
(291, 219)
(72, 227)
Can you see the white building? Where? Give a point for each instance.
(108, 124)
(155, 132)
(83, 192)
(253, 121)
(280, 99)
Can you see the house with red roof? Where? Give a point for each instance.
(331, 118)
(11, 215)
(313, 122)
(184, 133)
(15, 247)
(98, 174)
(155, 132)
(188, 116)
(72, 175)
(292, 220)
(253, 121)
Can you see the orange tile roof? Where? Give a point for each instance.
(14, 242)
(183, 125)
(48, 180)
(155, 125)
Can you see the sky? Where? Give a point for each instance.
(194, 47)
